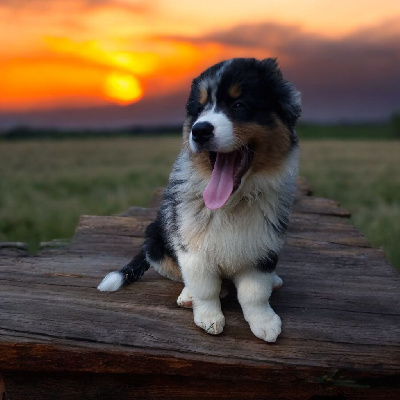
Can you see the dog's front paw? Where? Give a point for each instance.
(266, 327)
(212, 324)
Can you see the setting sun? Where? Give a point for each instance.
(59, 56)
(123, 88)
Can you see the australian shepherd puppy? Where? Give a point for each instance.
(225, 210)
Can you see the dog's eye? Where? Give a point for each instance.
(239, 104)
(200, 109)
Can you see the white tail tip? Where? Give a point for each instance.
(112, 282)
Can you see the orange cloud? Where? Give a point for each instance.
(96, 52)
(138, 63)
(73, 73)
(49, 83)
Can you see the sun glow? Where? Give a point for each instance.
(122, 88)
(82, 53)
(135, 62)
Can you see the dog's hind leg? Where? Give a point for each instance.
(154, 253)
(185, 299)
(277, 282)
(158, 254)
(167, 267)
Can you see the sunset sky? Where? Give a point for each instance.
(109, 63)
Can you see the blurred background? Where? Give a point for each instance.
(86, 84)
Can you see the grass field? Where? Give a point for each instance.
(45, 184)
(378, 131)
(364, 176)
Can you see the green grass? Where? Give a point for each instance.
(378, 131)
(364, 176)
(46, 185)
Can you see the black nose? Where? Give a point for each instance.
(202, 132)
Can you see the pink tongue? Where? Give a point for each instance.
(220, 187)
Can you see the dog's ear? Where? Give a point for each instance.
(271, 66)
(288, 96)
(292, 104)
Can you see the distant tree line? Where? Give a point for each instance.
(395, 124)
(362, 130)
(27, 132)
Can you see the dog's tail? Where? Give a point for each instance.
(129, 274)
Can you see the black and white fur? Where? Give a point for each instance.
(242, 107)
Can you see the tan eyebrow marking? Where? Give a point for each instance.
(203, 95)
(235, 91)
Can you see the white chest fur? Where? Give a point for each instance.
(228, 239)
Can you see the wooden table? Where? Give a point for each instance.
(62, 339)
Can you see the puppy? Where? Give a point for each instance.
(225, 210)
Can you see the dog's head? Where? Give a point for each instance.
(241, 117)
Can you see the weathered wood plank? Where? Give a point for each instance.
(91, 230)
(118, 226)
(141, 305)
(58, 334)
(2, 389)
(13, 249)
(319, 227)
(161, 386)
(319, 205)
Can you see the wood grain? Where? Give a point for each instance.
(60, 337)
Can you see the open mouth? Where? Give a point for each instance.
(228, 170)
